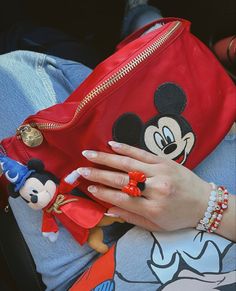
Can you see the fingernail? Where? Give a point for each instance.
(114, 144)
(85, 172)
(89, 154)
(111, 214)
(93, 189)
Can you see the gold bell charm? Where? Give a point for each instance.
(30, 136)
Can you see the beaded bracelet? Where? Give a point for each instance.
(218, 202)
(222, 204)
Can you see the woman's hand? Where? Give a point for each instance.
(174, 197)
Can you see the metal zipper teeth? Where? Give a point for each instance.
(115, 77)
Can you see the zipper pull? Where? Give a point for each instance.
(30, 135)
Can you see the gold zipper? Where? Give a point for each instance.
(100, 88)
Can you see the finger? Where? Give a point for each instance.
(136, 153)
(113, 179)
(136, 205)
(119, 162)
(134, 218)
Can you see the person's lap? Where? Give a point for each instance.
(30, 82)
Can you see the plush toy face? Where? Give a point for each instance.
(37, 194)
(36, 186)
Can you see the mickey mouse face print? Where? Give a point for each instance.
(167, 134)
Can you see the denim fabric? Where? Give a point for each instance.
(27, 88)
(30, 82)
(138, 17)
(220, 166)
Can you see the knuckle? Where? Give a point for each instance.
(120, 181)
(126, 162)
(163, 186)
(94, 174)
(153, 211)
(118, 198)
(143, 154)
(167, 186)
(103, 193)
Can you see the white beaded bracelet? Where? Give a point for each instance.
(202, 225)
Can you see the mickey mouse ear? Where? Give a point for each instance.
(127, 129)
(36, 164)
(169, 98)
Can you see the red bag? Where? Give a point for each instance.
(163, 91)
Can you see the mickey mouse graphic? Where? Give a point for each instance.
(167, 134)
(41, 190)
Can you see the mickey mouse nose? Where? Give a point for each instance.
(34, 198)
(170, 148)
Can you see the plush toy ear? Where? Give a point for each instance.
(35, 164)
(11, 191)
(127, 129)
(169, 98)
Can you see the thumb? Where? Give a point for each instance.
(134, 218)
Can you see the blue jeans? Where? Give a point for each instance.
(30, 82)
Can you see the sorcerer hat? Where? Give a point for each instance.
(15, 172)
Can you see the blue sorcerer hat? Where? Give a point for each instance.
(14, 171)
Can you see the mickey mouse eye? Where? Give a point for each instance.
(159, 140)
(35, 191)
(168, 134)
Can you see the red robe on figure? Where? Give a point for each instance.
(77, 214)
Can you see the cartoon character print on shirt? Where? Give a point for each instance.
(168, 134)
(181, 260)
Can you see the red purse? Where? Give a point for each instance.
(163, 91)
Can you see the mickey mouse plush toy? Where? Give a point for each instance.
(41, 190)
(167, 134)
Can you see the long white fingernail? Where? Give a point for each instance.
(93, 189)
(85, 172)
(111, 214)
(114, 144)
(89, 154)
